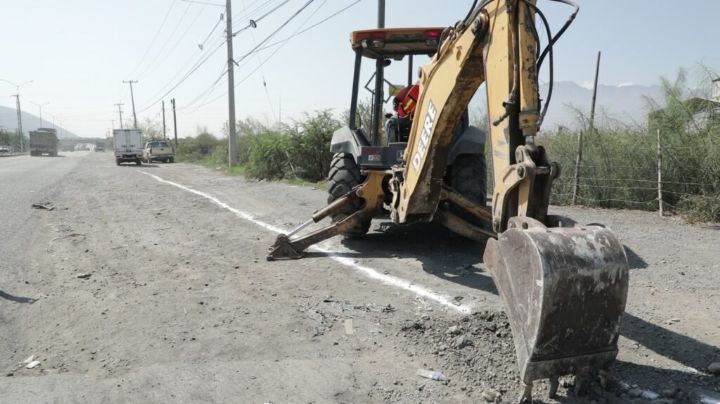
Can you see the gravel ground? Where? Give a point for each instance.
(140, 291)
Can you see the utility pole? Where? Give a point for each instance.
(21, 140)
(174, 122)
(119, 105)
(381, 13)
(594, 98)
(40, 107)
(232, 142)
(378, 96)
(578, 154)
(659, 175)
(132, 100)
(163, 113)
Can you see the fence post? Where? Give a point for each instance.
(578, 161)
(659, 174)
(578, 158)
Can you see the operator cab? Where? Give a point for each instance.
(383, 46)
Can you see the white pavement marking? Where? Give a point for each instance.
(367, 271)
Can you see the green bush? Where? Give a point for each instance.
(268, 156)
(309, 151)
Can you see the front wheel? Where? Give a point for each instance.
(344, 175)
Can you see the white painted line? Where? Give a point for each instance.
(367, 271)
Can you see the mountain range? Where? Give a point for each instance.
(8, 122)
(626, 103)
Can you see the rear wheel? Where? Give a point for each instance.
(469, 178)
(344, 175)
(138, 162)
(171, 160)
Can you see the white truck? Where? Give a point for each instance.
(128, 145)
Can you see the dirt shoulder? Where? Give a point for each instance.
(147, 292)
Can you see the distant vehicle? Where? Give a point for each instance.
(128, 145)
(43, 141)
(5, 150)
(159, 150)
(99, 147)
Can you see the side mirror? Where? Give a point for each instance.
(388, 115)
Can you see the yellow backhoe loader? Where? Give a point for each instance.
(564, 285)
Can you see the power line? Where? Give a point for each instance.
(283, 25)
(164, 45)
(188, 63)
(311, 27)
(197, 66)
(281, 42)
(212, 31)
(179, 39)
(206, 93)
(152, 42)
(256, 10)
(253, 23)
(202, 61)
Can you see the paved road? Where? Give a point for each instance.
(25, 180)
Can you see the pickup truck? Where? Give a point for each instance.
(159, 150)
(128, 145)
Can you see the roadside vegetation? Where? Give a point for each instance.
(295, 151)
(619, 167)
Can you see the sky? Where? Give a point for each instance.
(78, 52)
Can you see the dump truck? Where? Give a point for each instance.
(43, 141)
(128, 145)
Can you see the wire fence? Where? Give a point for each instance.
(670, 171)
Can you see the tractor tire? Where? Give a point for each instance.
(469, 178)
(343, 176)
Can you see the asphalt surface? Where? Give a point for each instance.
(26, 180)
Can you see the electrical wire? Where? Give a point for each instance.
(310, 27)
(212, 31)
(167, 41)
(194, 58)
(193, 70)
(253, 23)
(213, 86)
(180, 38)
(281, 42)
(155, 37)
(255, 10)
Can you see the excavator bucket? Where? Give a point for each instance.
(565, 290)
